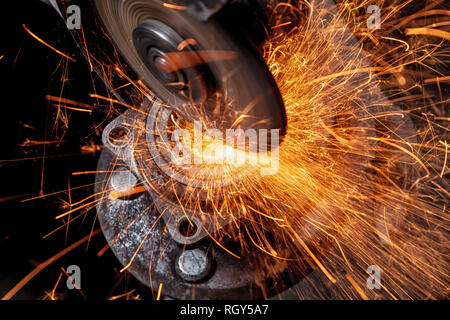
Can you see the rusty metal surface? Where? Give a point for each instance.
(136, 235)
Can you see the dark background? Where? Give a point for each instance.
(29, 71)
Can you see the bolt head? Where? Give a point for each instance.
(193, 265)
(123, 181)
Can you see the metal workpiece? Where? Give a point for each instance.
(157, 238)
(140, 240)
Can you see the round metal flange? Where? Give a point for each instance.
(136, 234)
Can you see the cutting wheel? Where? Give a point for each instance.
(200, 69)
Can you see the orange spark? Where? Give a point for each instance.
(173, 6)
(158, 296)
(11, 293)
(183, 44)
(47, 45)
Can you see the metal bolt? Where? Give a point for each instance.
(123, 181)
(193, 265)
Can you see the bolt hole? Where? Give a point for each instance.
(118, 136)
(187, 229)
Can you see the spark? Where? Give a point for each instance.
(173, 6)
(74, 284)
(282, 25)
(445, 160)
(188, 59)
(52, 294)
(158, 296)
(357, 287)
(402, 41)
(11, 293)
(47, 45)
(123, 295)
(187, 42)
(428, 32)
(72, 108)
